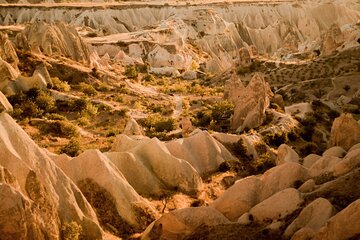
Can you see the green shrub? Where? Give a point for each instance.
(54, 116)
(221, 110)
(240, 148)
(87, 89)
(275, 139)
(71, 231)
(59, 85)
(263, 163)
(148, 78)
(157, 125)
(72, 149)
(131, 71)
(45, 102)
(60, 128)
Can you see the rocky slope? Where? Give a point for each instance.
(267, 148)
(210, 36)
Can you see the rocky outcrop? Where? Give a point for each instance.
(24, 84)
(4, 104)
(133, 128)
(101, 182)
(344, 225)
(323, 165)
(251, 104)
(201, 150)
(7, 51)
(281, 177)
(239, 198)
(45, 198)
(7, 77)
(350, 162)
(277, 206)
(56, 40)
(286, 154)
(179, 223)
(345, 131)
(152, 158)
(313, 216)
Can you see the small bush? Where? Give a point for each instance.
(240, 148)
(275, 139)
(71, 231)
(54, 116)
(59, 85)
(72, 149)
(45, 102)
(87, 89)
(60, 128)
(148, 78)
(131, 71)
(157, 125)
(263, 163)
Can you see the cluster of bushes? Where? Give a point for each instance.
(163, 109)
(158, 126)
(249, 165)
(59, 128)
(213, 116)
(34, 103)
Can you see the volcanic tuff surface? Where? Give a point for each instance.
(180, 120)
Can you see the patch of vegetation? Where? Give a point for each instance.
(59, 128)
(157, 125)
(275, 139)
(59, 85)
(71, 231)
(263, 163)
(215, 116)
(131, 71)
(72, 149)
(87, 89)
(32, 104)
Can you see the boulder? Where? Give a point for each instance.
(251, 103)
(44, 198)
(133, 128)
(299, 110)
(186, 126)
(179, 223)
(310, 159)
(350, 162)
(153, 154)
(281, 177)
(307, 186)
(239, 198)
(324, 165)
(4, 103)
(189, 75)
(356, 146)
(26, 83)
(277, 206)
(304, 234)
(7, 76)
(335, 152)
(313, 216)
(201, 150)
(344, 225)
(138, 174)
(100, 180)
(286, 154)
(345, 131)
(165, 71)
